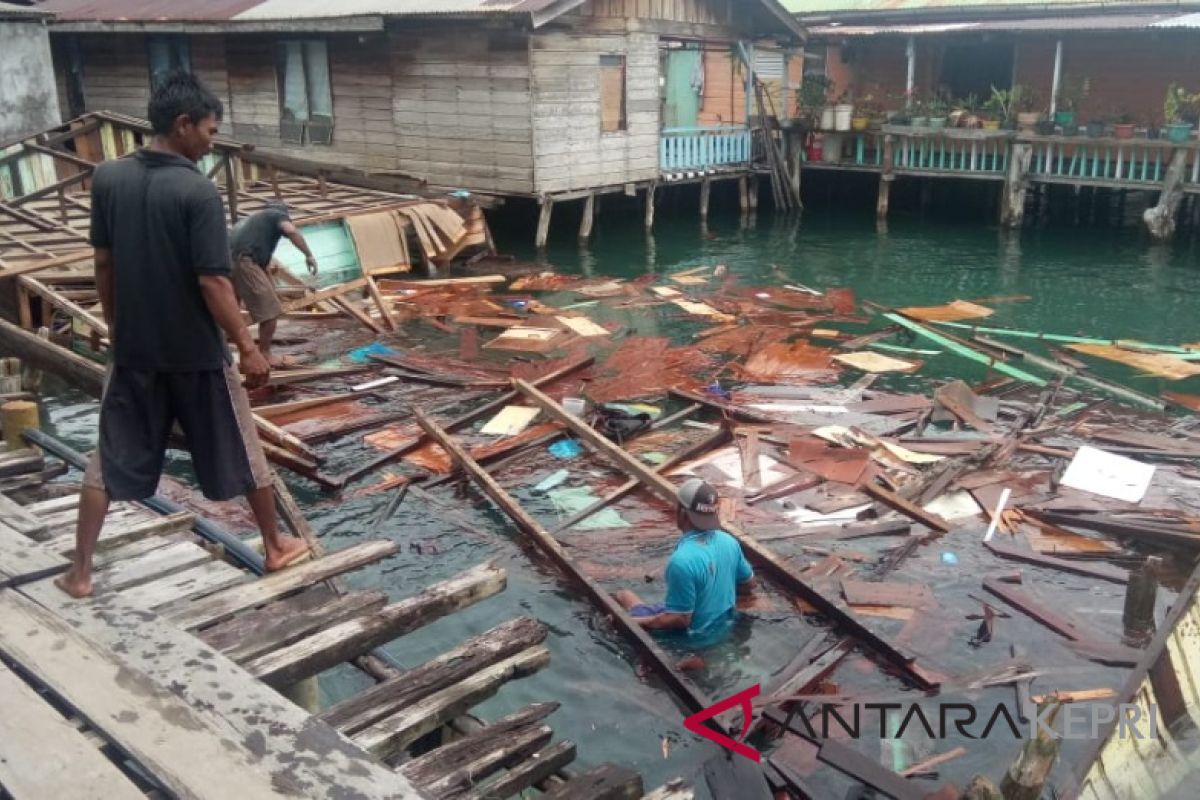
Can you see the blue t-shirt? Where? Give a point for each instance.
(702, 577)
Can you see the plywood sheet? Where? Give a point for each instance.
(1158, 364)
(876, 362)
(377, 238)
(510, 421)
(951, 312)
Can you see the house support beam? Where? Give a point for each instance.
(705, 193)
(1016, 182)
(1161, 219)
(588, 218)
(743, 195)
(543, 228)
(1056, 80)
(651, 189)
(910, 81)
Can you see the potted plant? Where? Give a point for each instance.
(1026, 104)
(811, 98)
(1071, 94)
(864, 110)
(919, 113)
(938, 109)
(1153, 131)
(1123, 126)
(1095, 128)
(1001, 105)
(1180, 111)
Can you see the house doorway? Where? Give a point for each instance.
(973, 69)
(683, 86)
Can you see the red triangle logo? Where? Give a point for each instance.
(695, 723)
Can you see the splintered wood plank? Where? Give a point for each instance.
(300, 755)
(488, 761)
(449, 758)
(178, 588)
(605, 782)
(352, 638)
(169, 739)
(388, 738)
(280, 624)
(107, 558)
(878, 593)
(154, 564)
(43, 755)
(536, 768)
(225, 604)
(117, 534)
(17, 517)
(368, 707)
(22, 559)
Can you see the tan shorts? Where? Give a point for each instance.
(139, 410)
(256, 290)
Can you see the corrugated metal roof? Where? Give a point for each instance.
(1091, 22)
(308, 9)
(146, 10)
(14, 11)
(809, 7)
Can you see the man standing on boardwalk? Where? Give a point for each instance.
(253, 241)
(163, 276)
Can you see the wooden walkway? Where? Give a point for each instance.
(163, 684)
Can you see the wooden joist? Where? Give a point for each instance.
(483, 651)
(177, 588)
(1102, 572)
(490, 759)
(17, 517)
(605, 782)
(42, 755)
(23, 560)
(449, 758)
(121, 533)
(347, 640)
(532, 771)
(223, 605)
(388, 738)
(279, 624)
(153, 564)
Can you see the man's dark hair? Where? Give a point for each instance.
(180, 93)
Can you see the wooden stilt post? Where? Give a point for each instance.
(886, 176)
(650, 192)
(589, 215)
(1025, 778)
(1141, 595)
(231, 190)
(795, 155)
(1016, 183)
(753, 192)
(705, 192)
(543, 227)
(743, 195)
(1161, 219)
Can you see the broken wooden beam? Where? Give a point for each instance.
(347, 640)
(1100, 571)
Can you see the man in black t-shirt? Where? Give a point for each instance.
(253, 240)
(162, 273)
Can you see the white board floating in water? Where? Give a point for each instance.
(1099, 472)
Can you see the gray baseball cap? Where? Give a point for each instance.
(699, 500)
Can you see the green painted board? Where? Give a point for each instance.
(682, 106)
(337, 260)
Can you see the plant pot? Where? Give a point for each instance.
(1064, 119)
(813, 152)
(1044, 127)
(860, 123)
(1028, 121)
(1153, 133)
(991, 124)
(1070, 130)
(827, 117)
(842, 115)
(920, 122)
(1095, 129)
(937, 123)
(1123, 130)
(1179, 132)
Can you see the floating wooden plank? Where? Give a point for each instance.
(966, 352)
(449, 758)
(42, 755)
(487, 760)
(174, 742)
(368, 707)
(352, 638)
(253, 633)
(878, 593)
(1161, 365)
(875, 362)
(388, 738)
(175, 589)
(1038, 610)
(325, 294)
(223, 605)
(20, 519)
(1100, 571)
(905, 506)
(156, 563)
(292, 749)
(951, 312)
(778, 569)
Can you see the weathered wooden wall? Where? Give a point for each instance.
(570, 150)
(461, 108)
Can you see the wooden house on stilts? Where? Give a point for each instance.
(553, 100)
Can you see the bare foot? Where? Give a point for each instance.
(73, 584)
(290, 551)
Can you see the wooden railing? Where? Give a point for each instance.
(963, 152)
(1127, 161)
(701, 148)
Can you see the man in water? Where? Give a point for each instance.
(253, 241)
(162, 273)
(706, 573)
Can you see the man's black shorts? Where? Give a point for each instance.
(137, 414)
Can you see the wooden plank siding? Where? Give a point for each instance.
(570, 150)
(462, 109)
